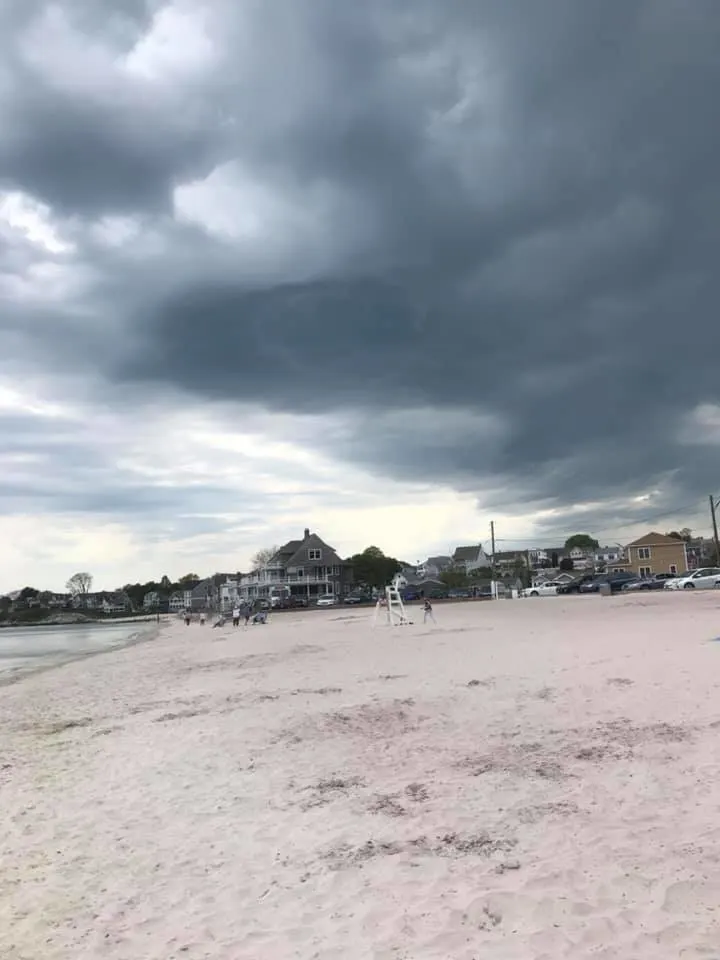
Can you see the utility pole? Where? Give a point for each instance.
(492, 559)
(713, 505)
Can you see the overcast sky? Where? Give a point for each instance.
(388, 270)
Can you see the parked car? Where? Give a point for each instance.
(549, 589)
(327, 601)
(616, 581)
(643, 583)
(574, 586)
(355, 598)
(459, 594)
(289, 603)
(704, 579)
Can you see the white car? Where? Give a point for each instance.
(704, 579)
(328, 601)
(543, 590)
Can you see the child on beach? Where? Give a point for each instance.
(202, 619)
(428, 611)
(187, 618)
(236, 616)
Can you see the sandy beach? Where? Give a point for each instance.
(527, 780)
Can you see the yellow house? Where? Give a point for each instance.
(654, 553)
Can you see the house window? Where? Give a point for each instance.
(673, 568)
(645, 572)
(315, 554)
(336, 571)
(643, 553)
(301, 572)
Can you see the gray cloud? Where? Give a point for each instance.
(517, 229)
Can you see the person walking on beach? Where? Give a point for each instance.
(236, 616)
(187, 618)
(428, 612)
(248, 613)
(202, 619)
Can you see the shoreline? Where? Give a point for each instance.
(59, 621)
(10, 678)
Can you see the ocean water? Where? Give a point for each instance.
(23, 649)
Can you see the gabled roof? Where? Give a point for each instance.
(295, 552)
(656, 539)
(467, 554)
(288, 550)
(438, 561)
(201, 589)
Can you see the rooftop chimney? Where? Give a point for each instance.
(307, 532)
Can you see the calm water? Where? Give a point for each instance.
(26, 648)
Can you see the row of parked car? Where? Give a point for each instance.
(702, 579)
(324, 600)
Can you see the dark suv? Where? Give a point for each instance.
(616, 582)
(575, 585)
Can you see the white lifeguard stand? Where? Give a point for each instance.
(394, 607)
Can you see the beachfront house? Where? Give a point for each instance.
(154, 600)
(55, 601)
(202, 595)
(231, 594)
(179, 601)
(307, 568)
(468, 559)
(433, 567)
(700, 552)
(653, 553)
(545, 558)
(606, 555)
(117, 602)
(105, 601)
(507, 561)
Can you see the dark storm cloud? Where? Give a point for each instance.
(540, 203)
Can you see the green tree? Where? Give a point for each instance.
(684, 534)
(372, 568)
(581, 540)
(28, 593)
(188, 578)
(455, 579)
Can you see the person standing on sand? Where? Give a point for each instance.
(187, 618)
(202, 619)
(236, 616)
(428, 612)
(248, 613)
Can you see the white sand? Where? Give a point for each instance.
(530, 779)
